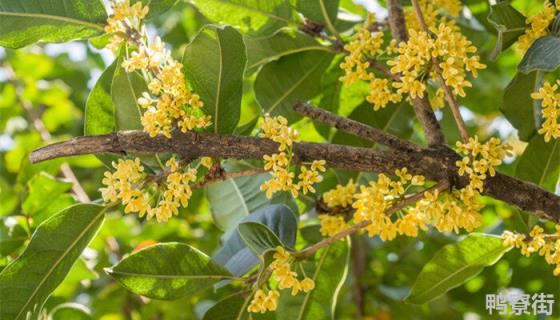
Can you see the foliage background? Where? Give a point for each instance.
(57, 79)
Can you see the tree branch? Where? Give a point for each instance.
(448, 94)
(437, 163)
(421, 106)
(354, 127)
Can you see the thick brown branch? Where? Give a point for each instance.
(436, 163)
(354, 127)
(421, 106)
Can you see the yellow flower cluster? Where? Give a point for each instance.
(340, 196)
(277, 130)
(547, 245)
(264, 301)
(331, 225)
(453, 49)
(366, 45)
(169, 103)
(374, 200)
(287, 279)
(480, 159)
(430, 11)
(537, 26)
(550, 101)
(126, 184)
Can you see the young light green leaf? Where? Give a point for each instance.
(54, 247)
(454, 264)
(262, 50)
(540, 163)
(100, 109)
(518, 106)
(323, 12)
(23, 22)
(168, 271)
(70, 311)
(43, 189)
(293, 78)
(328, 269)
(258, 237)
(215, 62)
(509, 23)
(543, 55)
(251, 16)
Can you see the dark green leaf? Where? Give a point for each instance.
(54, 247)
(509, 23)
(258, 237)
(540, 163)
(253, 16)
(261, 50)
(293, 78)
(125, 91)
(11, 237)
(23, 22)
(168, 271)
(234, 307)
(100, 109)
(454, 264)
(543, 55)
(323, 12)
(158, 7)
(215, 62)
(518, 106)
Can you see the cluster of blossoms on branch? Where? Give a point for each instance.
(547, 245)
(550, 102)
(285, 278)
(129, 184)
(538, 26)
(168, 103)
(283, 179)
(414, 58)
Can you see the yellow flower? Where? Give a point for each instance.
(331, 225)
(550, 102)
(206, 162)
(340, 196)
(264, 301)
(307, 284)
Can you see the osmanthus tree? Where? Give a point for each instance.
(329, 145)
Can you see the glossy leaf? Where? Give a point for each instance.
(297, 77)
(125, 91)
(323, 12)
(234, 253)
(509, 23)
(262, 50)
(328, 269)
(518, 106)
(23, 22)
(234, 308)
(157, 7)
(215, 62)
(540, 163)
(54, 247)
(100, 109)
(543, 55)
(253, 16)
(168, 271)
(454, 264)
(258, 237)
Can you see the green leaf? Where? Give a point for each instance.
(11, 237)
(157, 7)
(234, 253)
(252, 16)
(297, 77)
(168, 271)
(454, 264)
(262, 50)
(125, 91)
(23, 22)
(258, 237)
(540, 163)
(234, 199)
(328, 269)
(509, 23)
(323, 12)
(54, 247)
(215, 62)
(518, 106)
(234, 307)
(543, 55)
(100, 109)
(70, 311)
(43, 191)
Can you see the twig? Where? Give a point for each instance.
(448, 94)
(45, 135)
(309, 251)
(227, 175)
(421, 106)
(354, 127)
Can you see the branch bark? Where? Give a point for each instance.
(421, 106)
(436, 163)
